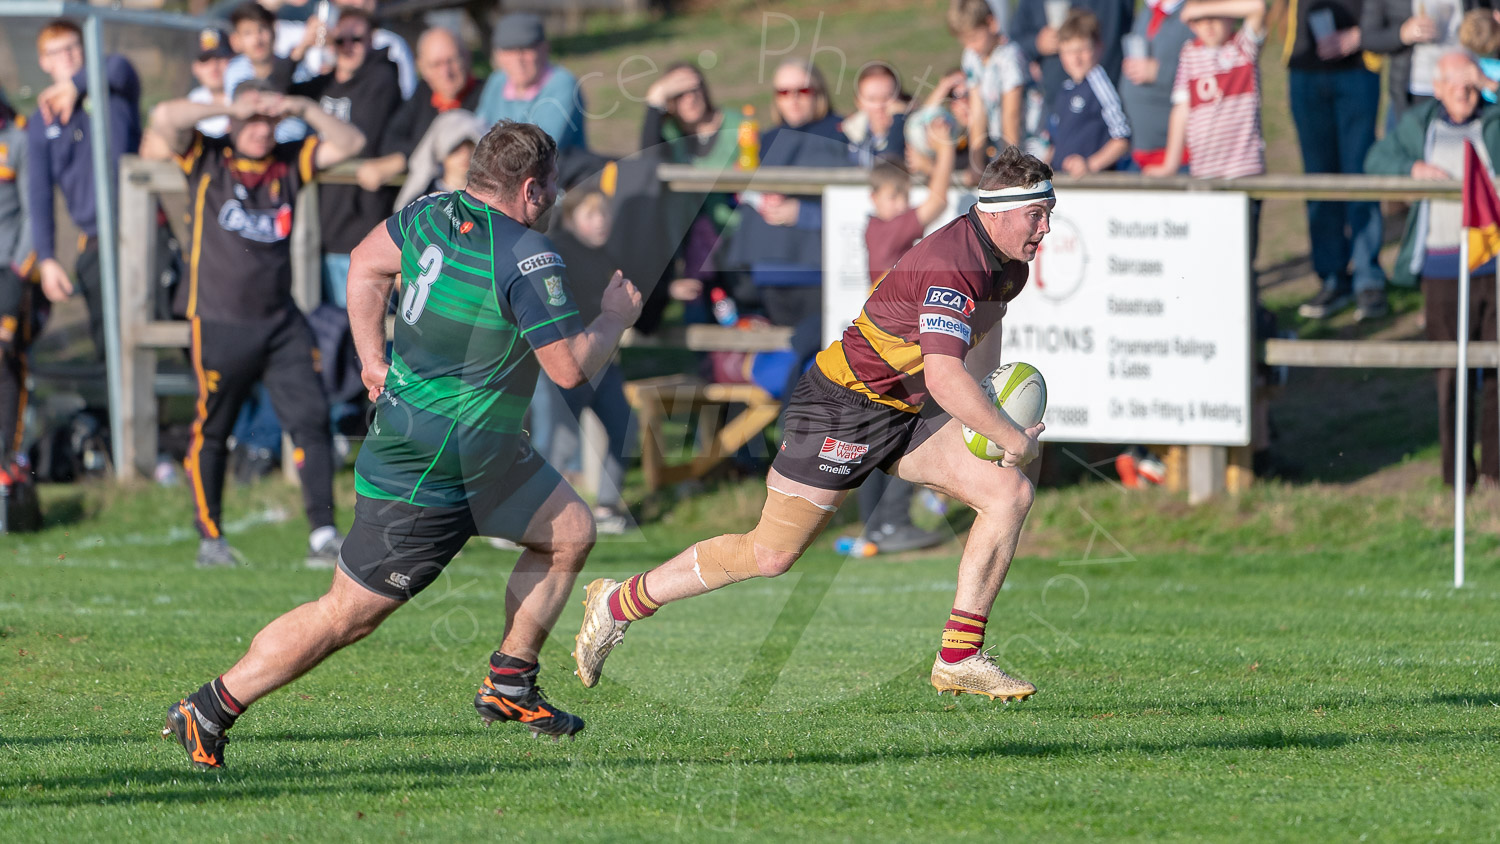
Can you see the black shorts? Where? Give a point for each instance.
(398, 549)
(833, 437)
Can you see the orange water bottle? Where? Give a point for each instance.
(749, 139)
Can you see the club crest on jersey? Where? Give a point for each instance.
(947, 297)
(257, 225)
(556, 295)
(838, 451)
(540, 260)
(939, 324)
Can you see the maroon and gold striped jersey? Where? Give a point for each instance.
(940, 298)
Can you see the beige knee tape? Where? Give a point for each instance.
(788, 524)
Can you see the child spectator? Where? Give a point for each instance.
(896, 225)
(214, 54)
(1088, 127)
(995, 70)
(884, 501)
(440, 163)
(1216, 114)
(1216, 98)
(59, 145)
(252, 34)
(948, 103)
(1480, 34)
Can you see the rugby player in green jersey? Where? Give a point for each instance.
(484, 303)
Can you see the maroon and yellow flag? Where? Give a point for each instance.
(1481, 210)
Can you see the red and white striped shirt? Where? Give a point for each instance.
(1221, 86)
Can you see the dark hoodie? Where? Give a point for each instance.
(372, 95)
(790, 256)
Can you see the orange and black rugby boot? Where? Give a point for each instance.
(518, 698)
(202, 739)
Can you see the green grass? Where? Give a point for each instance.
(1292, 664)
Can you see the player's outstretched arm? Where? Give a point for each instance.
(373, 268)
(573, 360)
(956, 391)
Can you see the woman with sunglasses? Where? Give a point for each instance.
(780, 237)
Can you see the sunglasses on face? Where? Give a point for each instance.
(689, 92)
(348, 40)
(794, 92)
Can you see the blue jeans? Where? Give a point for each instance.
(1335, 112)
(336, 280)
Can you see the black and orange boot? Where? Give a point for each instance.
(515, 696)
(202, 739)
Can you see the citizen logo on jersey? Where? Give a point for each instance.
(939, 324)
(947, 297)
(539, 260)
(259, 226)
(841, 452)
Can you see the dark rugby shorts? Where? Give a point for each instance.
(398, 549)
(833, 437)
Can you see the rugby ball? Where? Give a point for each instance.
(1020, 393)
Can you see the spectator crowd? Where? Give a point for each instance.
(289, 88)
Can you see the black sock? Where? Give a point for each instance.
(216, 704)
(512, 671)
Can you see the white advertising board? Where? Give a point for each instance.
(1137, 312)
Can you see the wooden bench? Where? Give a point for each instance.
(655, 399)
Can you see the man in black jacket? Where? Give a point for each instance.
(444, 67)
(361, 90)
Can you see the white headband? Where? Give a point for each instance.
(1009, 199)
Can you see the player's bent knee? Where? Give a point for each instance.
(569, 536)
(999, 490)
(788, 526)
(775, 563)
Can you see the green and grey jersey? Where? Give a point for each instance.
(479, 292)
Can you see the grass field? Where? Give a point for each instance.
(1289, 665)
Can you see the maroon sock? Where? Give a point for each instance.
(963, 635)
(631, 602)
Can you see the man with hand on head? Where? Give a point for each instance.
(242, 190)
(893, 394)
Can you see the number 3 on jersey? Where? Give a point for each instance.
(415, 300)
